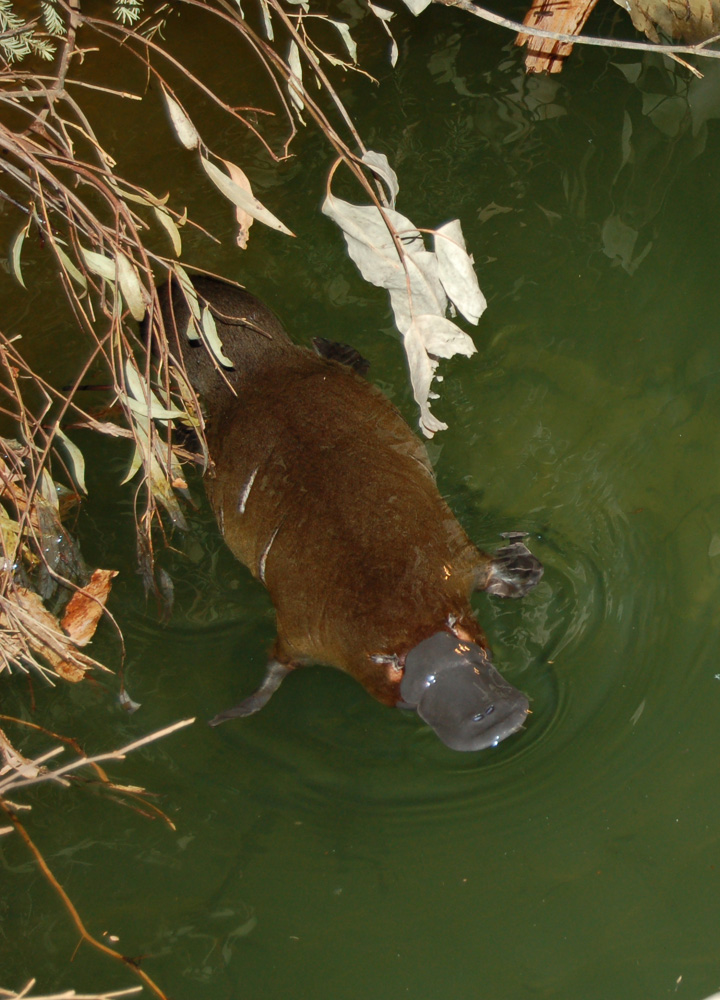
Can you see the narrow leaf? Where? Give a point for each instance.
(16, 250)
(184, 128)
(267, 20)
(212, 338)
(295, 85)
(132, 287)
(234, 193)
(168, 224)
(69, 266)
(157, 410)
(76, 458)
(99, 264)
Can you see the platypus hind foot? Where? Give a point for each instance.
(514, 570)
(274, 676)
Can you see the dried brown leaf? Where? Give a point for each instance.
(83, 612)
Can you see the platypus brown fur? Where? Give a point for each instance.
(322, 490)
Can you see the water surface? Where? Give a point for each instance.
(330, 847)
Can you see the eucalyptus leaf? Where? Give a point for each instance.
(417, 6)
(190, 294)
(347, 38)
(15, 252)
(132, 287)
(168, 224)
(234, 193)
(99, 264)
(157, 410)
(212, 338)
(267, 20)
(295, 84)
(76, 458)
(184, 128)
(69, 266)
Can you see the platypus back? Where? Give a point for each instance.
(323, 491)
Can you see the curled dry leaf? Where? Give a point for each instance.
(416, 281)
(456, 272)
(86, 605)
(25, 610)
(244, 219)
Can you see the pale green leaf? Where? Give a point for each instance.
(212, 338)
(15, 251)
(99, 264)
(132, 288)
(76, 458)
(347, 38)
(168, 223)
(157, 410)
(295, 84)
(184, 128)
(70, 267)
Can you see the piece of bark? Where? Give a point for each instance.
(86, 605)
(567, 17)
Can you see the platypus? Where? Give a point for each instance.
(325, 493)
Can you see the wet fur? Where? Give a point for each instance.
(322, 490)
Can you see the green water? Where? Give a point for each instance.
(330, 847)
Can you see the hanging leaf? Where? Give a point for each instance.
(168, 224)
(244, 219)
(184, 128)
(379, 164)
(76, 458)
(417, 6)
(98, 263)
(384, 16)
(412, 275)
(142, 397)
(456, 272)
(132, 287)
(347, 38)
(157, 410)
(295, 85)
(234, 193)
(212, 337)
(69, 265)
(267, 20)
(15, 252)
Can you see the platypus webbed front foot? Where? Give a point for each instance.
(514, 570)
(274, 676)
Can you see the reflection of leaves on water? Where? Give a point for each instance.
(206, 947)
(612, 191)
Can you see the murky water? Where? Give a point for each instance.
(329, 847)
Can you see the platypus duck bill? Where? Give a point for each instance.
(454, 687)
